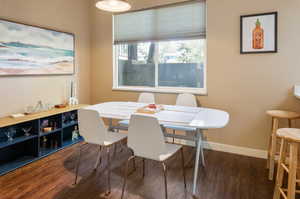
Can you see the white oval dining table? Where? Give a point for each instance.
(197, 117)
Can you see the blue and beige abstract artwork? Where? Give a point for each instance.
(29, 50)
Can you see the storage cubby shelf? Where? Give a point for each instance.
(70, 124)
(48, 133)
(12, 165)
(23, 150)
(71, 142)
(16, 140)
(46, 152)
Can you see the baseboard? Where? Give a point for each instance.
(229, 149)
(236, 150)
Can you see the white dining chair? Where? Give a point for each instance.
(147, 98)
(190, 100)
(93, 130)
(146, 140)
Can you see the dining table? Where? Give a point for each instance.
(200, 118)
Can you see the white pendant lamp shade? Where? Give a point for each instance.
(113, 5)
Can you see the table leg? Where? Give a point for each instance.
(201, 150)
(196, 168)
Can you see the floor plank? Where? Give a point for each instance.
(226, 176)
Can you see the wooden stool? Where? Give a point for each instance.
(292, 137)
(276, 115)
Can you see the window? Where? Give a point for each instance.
(171, 59)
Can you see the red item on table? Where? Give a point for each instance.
(153, 106)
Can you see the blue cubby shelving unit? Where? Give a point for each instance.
(23, 149)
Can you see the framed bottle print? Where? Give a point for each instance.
(259, 33)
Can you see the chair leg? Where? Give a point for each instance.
(293, 161)
(99, 159)
(280, 169)
(126, 175)
(273, 149)
(165, 179)
(183, 169)
(143, 167)
(108, 172)
(174, 132)
(78, 163)
(290, 123)
(115, 150)
(132, 154)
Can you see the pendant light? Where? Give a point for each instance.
(113, 5)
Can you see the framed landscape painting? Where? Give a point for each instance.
(30, 50)
(259, 33)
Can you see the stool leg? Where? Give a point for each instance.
(292, 170)
(290, 123)
(280, 170)
(273, 149)
(270, 144)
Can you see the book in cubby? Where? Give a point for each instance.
(50, 124)
(50, 143)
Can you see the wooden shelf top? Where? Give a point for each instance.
(8, 121)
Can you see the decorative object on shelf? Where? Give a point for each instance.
(73, 100)
(17, 115)
(32, 50)
(60, 106)
(47, 129)
(53, 143)
(113, 5)
(69, 118)
(48, 106)
(10, 133)
(259, 33)
(44, 123)
(44, 142)
(75, 133)
(73, 117)
(46, 126)
(26, 130)
(39, 107)
(29, 110)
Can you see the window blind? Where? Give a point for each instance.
(182, 21)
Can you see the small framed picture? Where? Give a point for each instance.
(259, 33)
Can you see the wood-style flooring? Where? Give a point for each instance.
(226, 176)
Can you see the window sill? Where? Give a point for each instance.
(196, 91)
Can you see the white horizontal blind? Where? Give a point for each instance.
(182, 21)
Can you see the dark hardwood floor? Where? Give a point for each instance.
(226, 176)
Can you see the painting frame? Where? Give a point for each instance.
(274, 29)
(72, 73)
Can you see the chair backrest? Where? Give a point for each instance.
(145, 136)
(91, 126)
(147, 98)
(186, 99)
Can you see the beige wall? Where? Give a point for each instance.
(66, 15)
(244, 85)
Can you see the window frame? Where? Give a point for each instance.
(158, 89)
